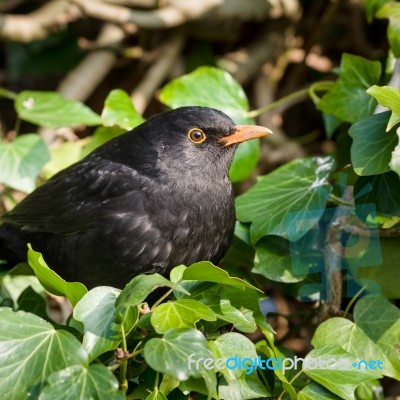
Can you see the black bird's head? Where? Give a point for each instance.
(195, 139)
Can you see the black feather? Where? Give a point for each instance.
(144, 202)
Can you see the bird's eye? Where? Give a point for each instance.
(196, 136)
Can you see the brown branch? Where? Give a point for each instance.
(144, 92)
(37, 25)
(165, 17)
(56, 14)
(138, 3)
(245, 63)
(81, 82)
(7, 6)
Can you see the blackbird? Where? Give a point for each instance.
(153, 198)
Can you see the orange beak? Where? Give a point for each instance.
(245, 132)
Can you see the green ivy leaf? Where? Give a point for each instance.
(273, 260)
(120, 111)
(247, 388)
(367, 390)
(236, 346)
(168, 384)
(206, 271)
(275, 353)
(331, 124)
(82, 382)
(51, 281)
(17, 280)
(391, 10)
(156, 395)
(346, 334)
(22, 160)
(62, 157)
(248, 299)
(395, 160)
(348, 100)
(177, 273)
(239, 254)
(172, 353)
(33, 302)
(380, 321)
(196, 385)
(314, 391)
(389, 97)
(386, 274)
(199, 89)
(296, 187)
(139, 288)
(53, 110)
(182, 313)
(372, 147)
(372, 6)
(96, 310)
(341, 381)
(31, 350)
(385, 193)
(102, 135)
(241, 319)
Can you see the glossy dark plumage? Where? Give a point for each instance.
(144, 202)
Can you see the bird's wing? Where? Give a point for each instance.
(72, 200)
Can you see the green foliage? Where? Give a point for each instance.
(368, 135)
(119, 111)
(372, 6)
(389, 97)
(51, 281)
(52, 110)
(391, 10)
(115, 345)
(183, 313)
(348, 100)
(82, 382)
(22, 161)
(31, 350)
(343, 381)
(298, 186)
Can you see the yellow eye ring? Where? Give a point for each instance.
(196, 136)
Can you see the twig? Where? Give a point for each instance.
(300, 69)
(339, 200)
(138, 3)
(290, 382)
(160, 18)
(8, 94)
(278, 148)
(295, 96)
(352, 301)
(80, 83)
(333, 256)
(161, 299)
(124, 363)
(245, 63)
(37, 25)
(55, 14)
(7, 6)
(144, 92)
